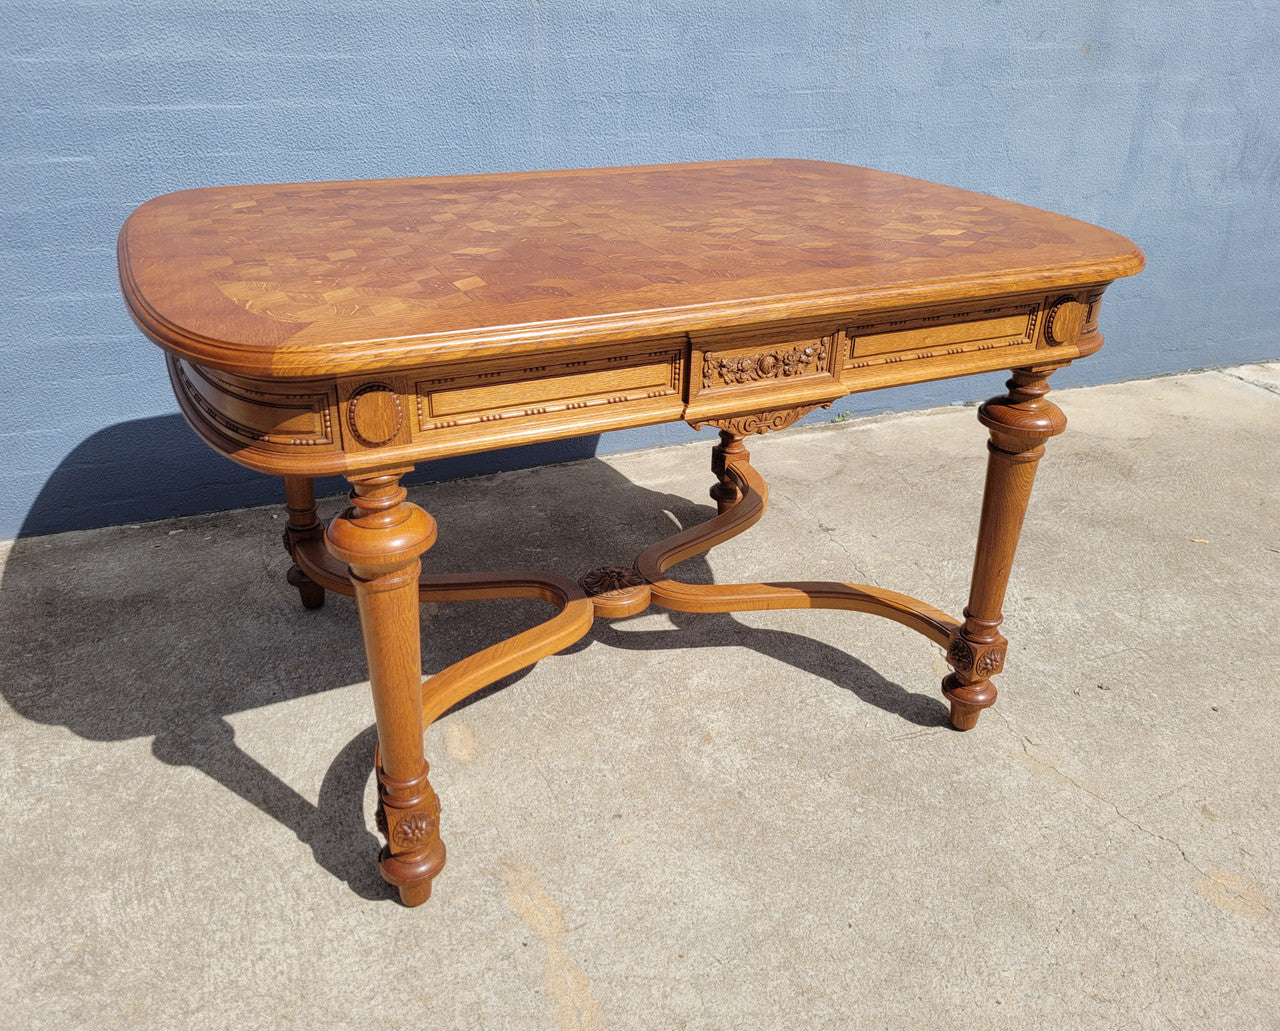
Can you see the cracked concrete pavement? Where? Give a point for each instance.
(748, 821)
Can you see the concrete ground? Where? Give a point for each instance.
(701, 822)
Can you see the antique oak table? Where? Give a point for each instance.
(360, 327)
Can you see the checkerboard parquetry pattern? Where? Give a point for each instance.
(422, 248)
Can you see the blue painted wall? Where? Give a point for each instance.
(1155, 118)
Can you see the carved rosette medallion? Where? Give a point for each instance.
(960, 654)
(610, 580)
(414, 830)
(980, 661)
(989, 663)
(374, 415)
(776, 364)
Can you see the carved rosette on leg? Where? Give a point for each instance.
(724, 455)
(381, 537)
(304, 524)
(1019, 423)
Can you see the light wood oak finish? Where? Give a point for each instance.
(357, 328)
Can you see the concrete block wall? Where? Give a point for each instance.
(1154, 118)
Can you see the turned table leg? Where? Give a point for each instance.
(381, 537)
(304, 524)
(725, 455)
(1019, 422)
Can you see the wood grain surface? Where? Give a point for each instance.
(334, 278)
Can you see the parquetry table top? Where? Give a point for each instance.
(280, 278)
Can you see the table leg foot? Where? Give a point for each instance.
(412, 880)
(311, 593)
(304, 524)
(967, 700)
(416, 895)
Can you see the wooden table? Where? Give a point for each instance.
(360, 327)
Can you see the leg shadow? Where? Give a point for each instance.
(722, 630)
(334, 829)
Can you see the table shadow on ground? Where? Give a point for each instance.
(110, 634)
